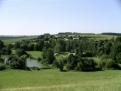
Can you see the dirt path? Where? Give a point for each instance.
(41, 87)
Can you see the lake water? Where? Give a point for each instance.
(29, 62)
(33, 63)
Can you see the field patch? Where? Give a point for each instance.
(54, 80)
(8, 39)
(35, 54)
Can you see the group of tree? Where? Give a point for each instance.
(108, 50)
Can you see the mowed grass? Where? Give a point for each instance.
(53, 80)
(9, 40)
(35, 54)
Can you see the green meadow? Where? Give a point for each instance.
(11, 39)
(8, 39)
(54, 80)
(35, 54)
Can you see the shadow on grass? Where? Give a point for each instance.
(92, 70)
(46, 68)
(63, 70)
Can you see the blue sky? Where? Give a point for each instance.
(35, 17)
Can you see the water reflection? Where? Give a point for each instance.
(5, 58)
(33, 63)
(29, 62)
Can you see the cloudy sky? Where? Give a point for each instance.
(35, 17)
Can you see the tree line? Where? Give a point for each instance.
(81, 52)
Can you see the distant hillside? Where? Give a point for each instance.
(116, 34)
(75, 33)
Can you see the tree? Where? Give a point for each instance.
(62, 43)
(18, 63)
(1, 45)
(118, 57)
(72, 62)
(30, 47)
(52, 42)
(20, 52)
(107, 48)
(48, 56)
(41, 44)
(116, 48)
(46, 45)
(58, 48)
(17, 45)
(88, 65)
(59, 64)
(6, 51)
(23, 46)
(36, 47)
(2, 66)
(68, 47)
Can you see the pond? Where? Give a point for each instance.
(33, 63)
(29, 62)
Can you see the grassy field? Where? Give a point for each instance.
(35, 54)
(53, 80)
(97, 36)
(8, 40)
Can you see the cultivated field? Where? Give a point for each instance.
(8, 40)
(94, 36)
(53, 80)
(11, 39)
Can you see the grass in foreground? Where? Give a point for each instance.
(53, 80)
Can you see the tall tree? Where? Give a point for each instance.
(58, 48)
(50, 56)
(1, 44)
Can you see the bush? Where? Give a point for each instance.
(78, 67)
(59, 64)
(2, 66)
(18, 63)
(108, 64)
(118, 58)
(104, 56)
(1, 60)
(20, 52)
(88, 54)
(88, 65)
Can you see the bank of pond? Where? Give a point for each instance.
(30, 63)
(67, 64)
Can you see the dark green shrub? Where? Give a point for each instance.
(20, 52)
(78, 67)
(1, 60)
(88, 65)
(118, 58)
(18, 63)
(2, 66)
(104, 56)
(108, 64)
(28, 69)
(59, 64)
(71, 62)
